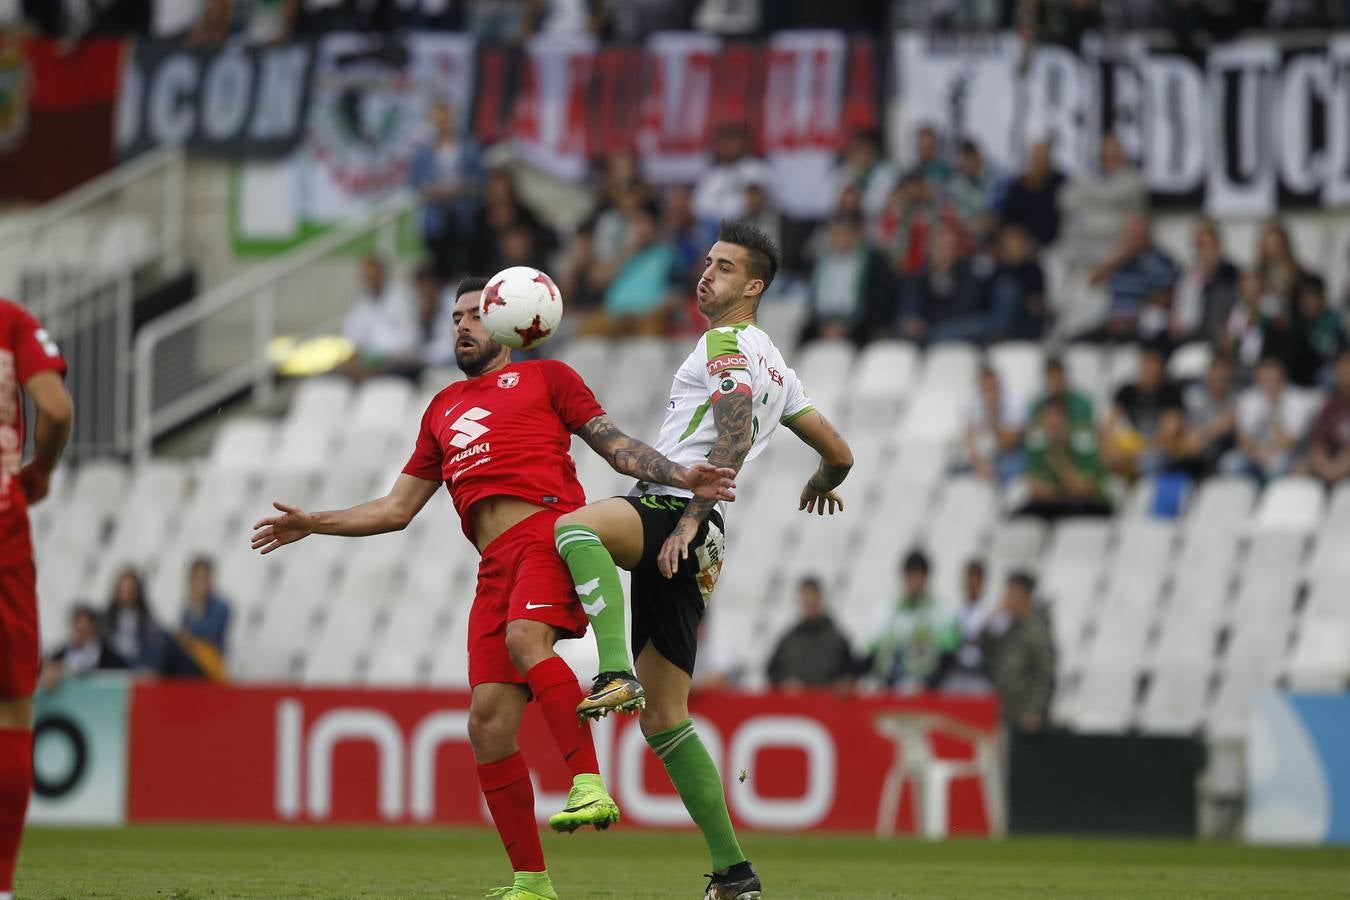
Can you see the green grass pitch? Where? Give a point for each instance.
(192, 862)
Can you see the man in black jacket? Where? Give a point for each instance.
(814, 652)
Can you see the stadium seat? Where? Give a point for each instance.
(1293, 503)
(401, 655)
(1086, 368)
(951, 367)
(435, 380)
(1239, 241)
(1228, 717)
(1327, 596)
(273, 651)
(373, 576)
(1020, 366)
(342, 642)
(1311, 241)
(783, 317)
(385, 403)
(1186, 636)
(824, 368)
(243, 444)
(1138, 502)
(303, 446)
(1017, 544)
(450, 661)
(1175, 702)
(158, 487)
(1222, 503)
(1176, 236)
(1190, 361)
(1320, 660)
(320, 400)
(886, 372)
(1122, 366)
(592, 358)
(1104, 700)
(101, 487)
(934, 415)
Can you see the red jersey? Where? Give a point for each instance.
(506, 433)
(25, 350)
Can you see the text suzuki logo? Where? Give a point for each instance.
(467, 428)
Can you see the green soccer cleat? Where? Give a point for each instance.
(611, 691)
(588, 803)
(510, 892)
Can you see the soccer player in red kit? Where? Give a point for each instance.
(30, 362)
(500, 442)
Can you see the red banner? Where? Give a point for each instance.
(217, 753)
(56, 113)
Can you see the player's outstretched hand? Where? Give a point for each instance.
(710, 482)
(816, 501)
(278, 531)
(35, 481)
(675, 550)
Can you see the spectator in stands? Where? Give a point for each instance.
(1244, 333)
(946, 300)
(1309, 338)
(502, 21)
(1211, 416)
(1206, 292)
(929, 163)
(86, 651)
(761, 213)
(131, 629)
(1271, 422)
(1016, 287)
(911, 637)
(382, 325)
(582, 278)
(1144, 431)
(434, 321)
(501, 210)
(1139, 277)
(1329, 448)
(720, 191)
(965, 671)
(997, 419)
(1020, 648)
(444, 171)
(852, 288)
(1095, 205)
(1278, 265)
(637, 300)
(863, 167)
(1032, 200)
(688, 239)
(903, 229)
(1057, 389)
(970, 191)
(206, 619)
(813, 652)
(1065, 476)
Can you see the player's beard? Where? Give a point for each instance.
(476, 360)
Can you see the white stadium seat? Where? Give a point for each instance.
(1190, 361)
(1020, 366)
(385, 403)
(1320, 660)
(1175, 702)
(591, 357)
(243, 444)
(886, 372)
(100, 487)
(1223, 503)
(1104, 701)
(320, 400)
(1293, 503)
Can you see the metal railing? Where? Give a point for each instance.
(75, 262)
(200, 355)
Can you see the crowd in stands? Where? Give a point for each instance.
(127, 636)
(921, 643)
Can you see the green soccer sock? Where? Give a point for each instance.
(536, 883)
(692, 772)
(601, 592)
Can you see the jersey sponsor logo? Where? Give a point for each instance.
(476, 449)
(455, 477)
(508, 380)
(727, 361)
(774, 375)
(467, 428)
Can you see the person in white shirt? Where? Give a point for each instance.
(720, 191)
(1272, 421)
(382, 325)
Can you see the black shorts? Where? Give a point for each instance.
(666, 611)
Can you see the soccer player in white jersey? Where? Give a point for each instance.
(725, 402)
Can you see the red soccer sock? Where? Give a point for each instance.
(510, 798)
(16, 782)
(557, 692)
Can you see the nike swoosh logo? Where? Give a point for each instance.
(581, 807)
(453, 408)
(539, 605)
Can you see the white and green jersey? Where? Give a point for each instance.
(732, 359)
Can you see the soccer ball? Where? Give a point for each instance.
(520, 307)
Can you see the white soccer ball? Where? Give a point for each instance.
(520, 307)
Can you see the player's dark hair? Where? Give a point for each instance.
(204, 562)
(810, 581)
(915, 561)
(1055, 364)
(764, 253)
(469, 285)
(1024, 580)
(975, 565)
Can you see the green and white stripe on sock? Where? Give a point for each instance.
(695, 777)
(597, 582)
(671, 740)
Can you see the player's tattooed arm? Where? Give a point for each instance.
(734, 416)
(638, 460)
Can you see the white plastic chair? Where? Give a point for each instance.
(1104, 702)
(930, 777)
(243, 444)
(321, 402)
(1020, 366)
(1320, 660)
(1224, 503)
(101, 486)
(1294, 503)
(1175, 702)
(1190, 361)
(886, 372)
(385, 403)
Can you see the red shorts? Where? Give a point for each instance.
(521, 576)
(20, 647)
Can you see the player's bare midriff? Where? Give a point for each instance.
(493, 516)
